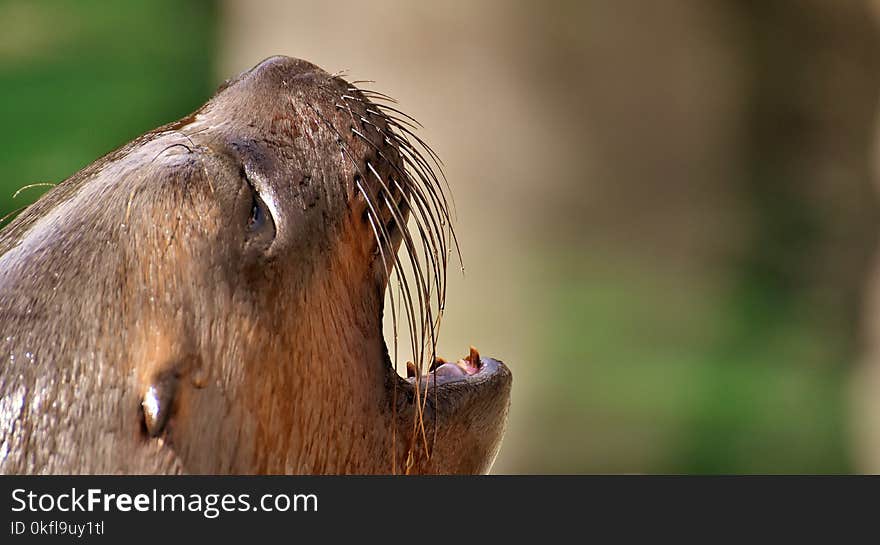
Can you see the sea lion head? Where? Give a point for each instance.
(215, 291)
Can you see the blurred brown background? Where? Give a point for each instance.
(666, 208)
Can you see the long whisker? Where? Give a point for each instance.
(14, 212)
(416, 335)
(29, 186)
(413, 182)
(432, 246)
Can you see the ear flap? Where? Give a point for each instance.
(158, 401)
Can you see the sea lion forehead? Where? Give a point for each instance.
(285, 103)
(273, 82)
(280, 69)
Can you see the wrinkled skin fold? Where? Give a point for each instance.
(209, 298)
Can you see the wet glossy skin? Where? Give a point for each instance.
(208, 298)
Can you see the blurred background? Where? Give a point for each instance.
(666, 209)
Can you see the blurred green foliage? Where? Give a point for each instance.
(657, 373)
(78, 79)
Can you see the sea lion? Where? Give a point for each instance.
(208, 298)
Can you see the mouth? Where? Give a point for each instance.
(451, 418)
(470, 370)
(442, 381)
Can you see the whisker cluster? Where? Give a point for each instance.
(414, 186)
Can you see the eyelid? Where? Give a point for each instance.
(260, 212)
(264, 192)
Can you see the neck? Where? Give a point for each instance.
(329, 367)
